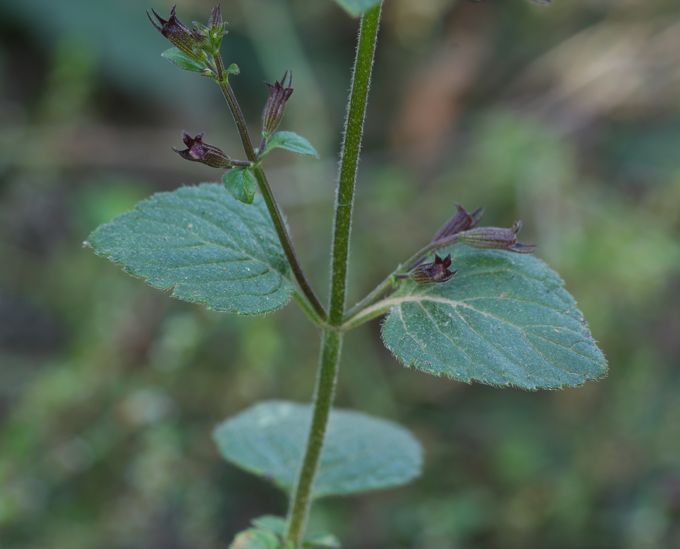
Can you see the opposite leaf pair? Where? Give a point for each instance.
(505, 319)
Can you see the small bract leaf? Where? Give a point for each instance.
(357, 7)
(272, 523)
(202, 245)
(360, 452)
(277, 525)
(241, 184)
(233, 69)
(182, 60)
(322, 541)
(505, 319)
(291, 142)
(256, 539)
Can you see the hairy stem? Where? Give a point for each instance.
(332, 338)
(272, 205)
(324, 395)
(349, 161)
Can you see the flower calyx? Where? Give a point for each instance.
(189, 41)
(279, 93)
(496, 238)
(462, 220)
(198, 151)
(437, 271)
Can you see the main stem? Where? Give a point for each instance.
(331, 341)
(317, 311)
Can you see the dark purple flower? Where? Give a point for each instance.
(497, 238)
(187, 40)
(198, 151)
(461, 221)
(279, 93)
(436, 271)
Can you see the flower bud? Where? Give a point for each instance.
(216, 29)
(436, 271)
(279, 93)
(497, 238)
(215, 19)
(197, 151)
(461, 221)
(187, 40)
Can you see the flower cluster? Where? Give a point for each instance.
(198, 50)
(462, 228)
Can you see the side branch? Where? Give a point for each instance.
(268, 195)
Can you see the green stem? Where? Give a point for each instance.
(373, 295)
(351, 148)
(368, 313)
(268, 195)
(324, 395)
(388, 282)
(332, 338)
(307, 308)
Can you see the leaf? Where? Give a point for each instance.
(274, 524)
(360, 452)
(241, 184)
(357, 7)
(322, 541)
(182, 60)
(505, 319)
(291, 142)
(204, 246)
(233, 69)
(277, 525)
(256, 539)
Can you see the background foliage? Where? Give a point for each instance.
(568, 117)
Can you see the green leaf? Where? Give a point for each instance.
(357, 7)
(277, 525)
(505, 320)
(241, 184)
(322, 541)
(233, 69)
(182, 60)
(256, 539)
(202, 245)
(274, 524)
(291, 142)
(360, 452)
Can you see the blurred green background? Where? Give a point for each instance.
(566, 116)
